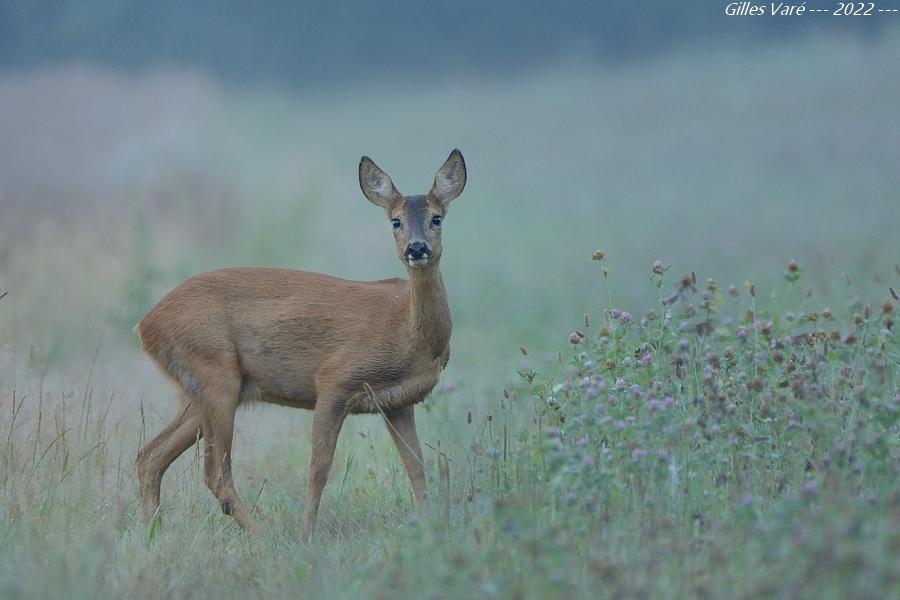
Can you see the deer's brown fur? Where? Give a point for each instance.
(305, 340)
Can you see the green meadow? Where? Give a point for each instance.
(724, 422)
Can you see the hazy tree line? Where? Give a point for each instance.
(301, 42)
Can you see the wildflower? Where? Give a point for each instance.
(626, 317)
(886, 307)
(646, 360)
(658, 267)
(790, 316)
(599, 407)
(793, 267)
(711, 285)
(620, 384)
(592, 392)
(620, 424)
(811, 486)
(627, 361)
(826, 313)
(663, 455)
(635, 389)
(597, 255)
(655, 405)
(733, 291)
(575, 337)
(638, 454)
(587, 460)
(684, 344)
(615, 313)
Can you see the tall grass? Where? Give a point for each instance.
(718, 445)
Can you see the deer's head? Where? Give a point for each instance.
(415, 220)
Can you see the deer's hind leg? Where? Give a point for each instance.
(220, 400)
(156, 456)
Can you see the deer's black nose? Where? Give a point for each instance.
(417, 250)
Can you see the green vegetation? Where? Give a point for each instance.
(688, 437)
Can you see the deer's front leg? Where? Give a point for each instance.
(401, 423)
(328, 417)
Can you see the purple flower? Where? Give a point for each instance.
(616, 313)
(742, 332)
(647, 360)
(638, 454)
(620, 384)
(635, 389)
(574, 337)
(626, 317)
(811, 486)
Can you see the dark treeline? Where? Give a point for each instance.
(302, 42)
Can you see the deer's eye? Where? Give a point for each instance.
(396, 223)
(436, 220)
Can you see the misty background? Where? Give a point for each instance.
(141, 142)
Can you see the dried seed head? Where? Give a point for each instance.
(575, 337)
(597, 255)
(753, 290)
(711, 285)
(658, 267)
(826, 312)
(587, 320)
(793, 267)
(523, 350)
(886, 307)
(733, 291)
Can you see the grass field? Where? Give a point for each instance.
(740, 440)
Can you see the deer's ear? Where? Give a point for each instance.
(376, 185)
(450, 179)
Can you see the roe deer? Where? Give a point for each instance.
(306, 340)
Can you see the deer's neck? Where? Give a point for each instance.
(429, 310)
